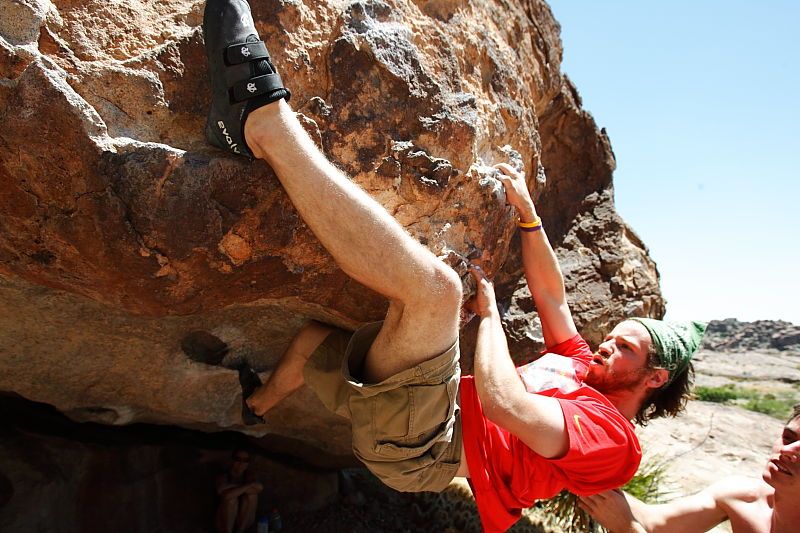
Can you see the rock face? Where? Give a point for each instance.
(130, 250)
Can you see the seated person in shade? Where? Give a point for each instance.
(238, 496)
(769, 504)
(518, 434)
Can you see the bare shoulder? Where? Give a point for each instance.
(745, 501)
(737, 489)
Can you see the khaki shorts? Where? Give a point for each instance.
(407, 428)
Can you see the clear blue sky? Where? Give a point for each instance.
(700, 100)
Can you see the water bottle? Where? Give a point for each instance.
(263, 525)
(275, 522)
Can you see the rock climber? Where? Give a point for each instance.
(519, 435)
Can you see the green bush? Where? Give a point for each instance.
(648, 482)
(769, 404)
(778, 406)
(722, 394)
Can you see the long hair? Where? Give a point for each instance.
(670, 399)
(795, 412)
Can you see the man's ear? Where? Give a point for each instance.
(657, 378)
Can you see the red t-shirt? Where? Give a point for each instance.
(507, 476)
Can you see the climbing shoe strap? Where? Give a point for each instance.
(239, 53)
(255, 86)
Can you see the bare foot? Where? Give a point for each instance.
(259, 402)
(250, 383)
(288, 375)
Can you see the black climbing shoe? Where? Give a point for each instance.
(249, 380)
(240, 71)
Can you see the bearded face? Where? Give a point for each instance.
(612, 380)
(620, 362)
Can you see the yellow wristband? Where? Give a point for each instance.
(535, 224)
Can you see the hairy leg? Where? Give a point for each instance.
(366, 242)
(288, 375)
(247, 511)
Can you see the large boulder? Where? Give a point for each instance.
(132, 253)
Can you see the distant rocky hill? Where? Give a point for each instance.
(731, 334)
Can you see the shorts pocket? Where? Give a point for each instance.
(431, 406)
(391, 414)
(417, 455)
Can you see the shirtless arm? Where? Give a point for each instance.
(542, 272)
(622, 513)
(537, 420)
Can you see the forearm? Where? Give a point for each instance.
(633, 527)
(641, 521)
(540, 263)
(692, 514)
(496, 378)
(620, 512)
(536, 420)
(650, 517)
(233, 492)
(545, 281)
(254, 488)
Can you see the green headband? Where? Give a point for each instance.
(675, 342)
